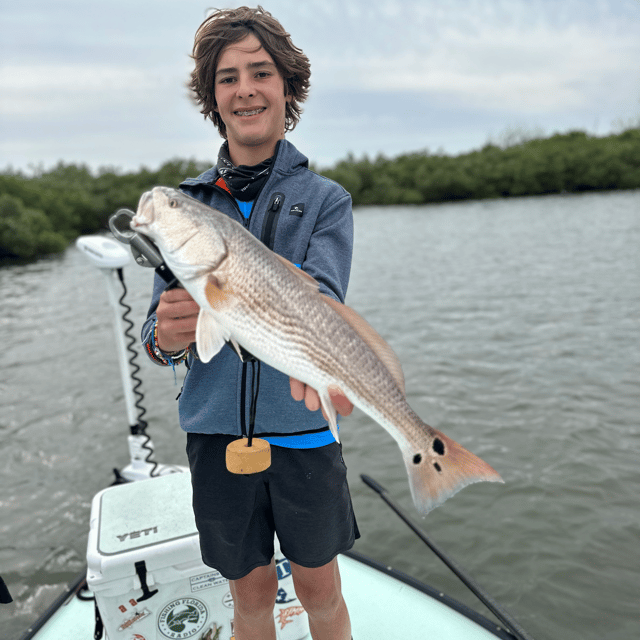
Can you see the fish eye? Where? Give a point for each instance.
(173, 203)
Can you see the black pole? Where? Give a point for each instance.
(505, 618)
(5, 596)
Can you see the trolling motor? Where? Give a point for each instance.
(245, 456)
(111, 257)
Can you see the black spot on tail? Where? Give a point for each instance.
(417, 459)
(438, 446)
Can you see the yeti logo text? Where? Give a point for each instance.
(137, 534)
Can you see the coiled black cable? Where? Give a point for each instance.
(141, 427)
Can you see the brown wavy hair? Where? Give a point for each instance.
(226, 26)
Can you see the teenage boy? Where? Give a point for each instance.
(250, 79)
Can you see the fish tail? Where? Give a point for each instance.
(440, 471)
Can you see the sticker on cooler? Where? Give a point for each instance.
(207, 580)
(182, 618)
(288, 615)
(137, 615)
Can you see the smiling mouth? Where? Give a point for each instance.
(247, 112)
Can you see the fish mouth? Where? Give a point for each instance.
(245, 113)
(145, 212)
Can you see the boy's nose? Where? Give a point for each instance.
(246, 87)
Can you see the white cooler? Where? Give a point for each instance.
(147, 574)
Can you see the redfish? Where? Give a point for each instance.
(254, 298)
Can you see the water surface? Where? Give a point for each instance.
(517, 323)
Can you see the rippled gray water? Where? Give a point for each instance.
(518, 324)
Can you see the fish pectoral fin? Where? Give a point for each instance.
(303, 275)
(375, 341)
(330, 413)
(441, 470)
(210, 336)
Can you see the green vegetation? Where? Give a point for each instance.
(42, 213)
(571, 162)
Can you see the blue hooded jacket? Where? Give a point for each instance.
(307, 219)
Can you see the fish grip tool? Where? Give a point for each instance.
(144, 251)
(243, 456)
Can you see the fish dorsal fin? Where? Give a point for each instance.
(371, 337)
(304, 277)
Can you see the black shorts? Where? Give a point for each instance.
(303, 497)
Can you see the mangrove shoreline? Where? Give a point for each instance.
(42, 213)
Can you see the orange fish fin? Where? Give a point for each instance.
(376, 343)
(442, 469)
(303, 275)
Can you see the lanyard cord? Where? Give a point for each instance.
(255, 388)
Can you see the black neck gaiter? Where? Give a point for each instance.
(244, 182)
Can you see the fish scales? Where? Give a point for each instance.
(269, 294)
(252, 297)
(323, 337)
(299, 321)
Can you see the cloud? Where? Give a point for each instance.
(391, 76)
(48, 91)
(530, 66)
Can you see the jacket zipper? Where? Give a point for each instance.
(271, 221)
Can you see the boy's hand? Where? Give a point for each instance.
(177, 315)
(300, 391)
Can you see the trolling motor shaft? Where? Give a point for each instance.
(110, 257)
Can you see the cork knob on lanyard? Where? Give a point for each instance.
(244, 458)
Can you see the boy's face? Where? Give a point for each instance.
(249, 93)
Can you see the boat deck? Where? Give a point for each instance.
(383, 605)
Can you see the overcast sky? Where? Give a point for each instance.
(103, 83)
